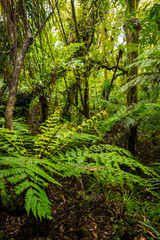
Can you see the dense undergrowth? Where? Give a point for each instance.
(32, 165)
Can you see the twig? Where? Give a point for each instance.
(146, 230)
(38, 31)
(8, 52)
(114, 75)
(109, 68)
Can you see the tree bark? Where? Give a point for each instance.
(75, 20)
(18, 63)
(86, 99)
(14, 83)
(17, 69)
(132, 37)
(2, 92)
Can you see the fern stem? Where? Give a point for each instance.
(42, 152)
(16, 148)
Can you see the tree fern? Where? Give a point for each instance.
(130, 116)
(149, 63)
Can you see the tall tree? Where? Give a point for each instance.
(16, 19)
(84, 17)
(132, 28)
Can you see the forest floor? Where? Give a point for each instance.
(77, 214)
(81, 209)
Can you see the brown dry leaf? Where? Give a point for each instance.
(61, 228)
(95, 226)
(62, 196)
(94, 234)
(93, 169)
(140, 238)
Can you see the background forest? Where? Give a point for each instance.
(80, 119)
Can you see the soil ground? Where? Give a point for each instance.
(77, 214)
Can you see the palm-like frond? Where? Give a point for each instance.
(30, 175)
(28, 169)
(32, 170)
(112, 164)
(148, 61)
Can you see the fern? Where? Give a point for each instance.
(82, 139)
(109, 163)
(148, 61)
(37, 201)
(55, 136)
(23, 169)
(130, 116)
(30, 175)
(11, 143)
(25, 162)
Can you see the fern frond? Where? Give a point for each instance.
(112, 164)
(147, 61)
(54, 136)
(17, 178)
(28, 200)
(11, 142)
(93, 120)
(21, 187)
(130, 116)
(36, 200)
(31, 176)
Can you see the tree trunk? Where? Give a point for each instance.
(132, 37)
(2, 92)
(18, 62)
(14, 83)
(86, 99)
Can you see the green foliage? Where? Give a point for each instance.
(30, 175)
(24, 162)
(30, 163)
(26, 170)
(149, 228)
(134, 115)
(150, 15)
(82, 140)
(109, 163)
(149, 76)
(73, 151)
(54, 136)
(11, 143)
